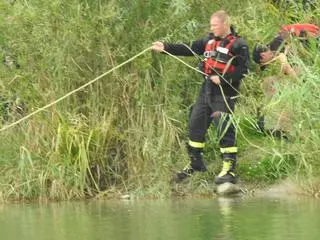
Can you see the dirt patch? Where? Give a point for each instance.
(285, 189)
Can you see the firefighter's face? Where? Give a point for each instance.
(218, 27)
(266, 56)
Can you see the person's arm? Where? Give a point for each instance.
(240, 51)
(195, 47)
(285, 66)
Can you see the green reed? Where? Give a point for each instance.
(126, 133)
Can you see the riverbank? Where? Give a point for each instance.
(200, 187)
(194, 189)
(125, 134)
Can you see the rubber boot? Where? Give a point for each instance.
(227, 174)
(196, 164)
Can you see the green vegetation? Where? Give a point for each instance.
(126, 132)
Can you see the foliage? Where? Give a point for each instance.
(126, 132)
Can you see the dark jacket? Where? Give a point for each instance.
(239, 49)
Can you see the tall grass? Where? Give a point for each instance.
(126, 132)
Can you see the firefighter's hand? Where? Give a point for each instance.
(158, 46)
(215, 79)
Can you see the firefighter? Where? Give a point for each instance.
(226, 60)
(304, 31)
(273, 57)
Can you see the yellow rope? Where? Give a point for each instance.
(175, 57)
(225, 70)
(106, 73)
(73, 91)
(223, 95)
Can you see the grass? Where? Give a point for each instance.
(126, 133)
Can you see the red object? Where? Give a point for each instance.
(212, 62)
(297, 28)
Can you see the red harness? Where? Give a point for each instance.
(217, 54)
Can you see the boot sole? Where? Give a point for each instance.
(227, 189)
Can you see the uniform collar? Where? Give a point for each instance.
(220, 38)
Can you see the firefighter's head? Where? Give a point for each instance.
(262, 54)
(220, 23)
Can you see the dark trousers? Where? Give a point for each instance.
(213, 109)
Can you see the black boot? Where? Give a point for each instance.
(227, 173)
(196, 164)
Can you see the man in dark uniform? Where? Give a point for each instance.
(277, 72)
(225, 64)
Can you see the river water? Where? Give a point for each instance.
(185, 219)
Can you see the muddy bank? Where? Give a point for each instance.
(283, 189)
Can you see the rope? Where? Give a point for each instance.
(203, 73)
(73, 91)
(221, 76)
(108, 72)
(175, 57)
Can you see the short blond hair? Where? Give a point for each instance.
(223, 16)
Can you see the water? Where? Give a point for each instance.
(220, 218)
